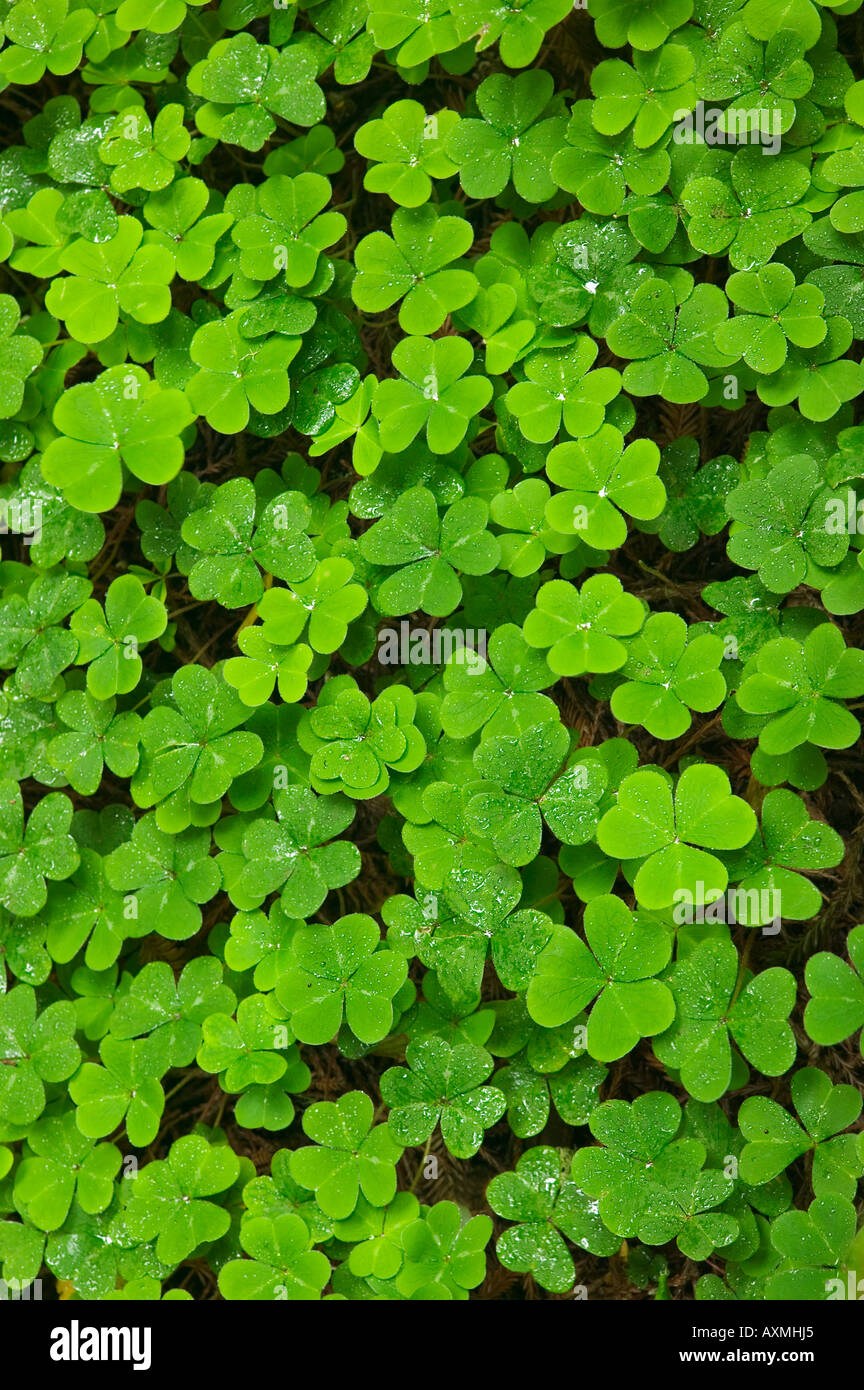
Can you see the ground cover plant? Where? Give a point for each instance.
(430, 650)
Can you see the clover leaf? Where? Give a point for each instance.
(98, 737)
(711, 1003)
(107, 278)
(514, 139)
(407, 148)
(376, 1234)
(647, 95)
(599, 169)
(171, 1011)
(522, 788)
(242, 1049)
(62, 1165)
(158, 16)
(583, 272)
(547, 1207)
(31, 636)
(573, 1088)
(821, 378)
(182, 224)
(260, 942)
(695, 496)
(527, 538)
(21, 355)
(650, 1184)
(356, 744)
(339, 969)
(86, 912)
(667, 673)
(92, 1252)
(815, 1244)
(245, 83)
(168, 876)
(50, 38)
(192, 747)
(764, 78)
(456, 945)
(122, 419)
(429, 551)
(582, 627)
(432, 394)
(169, 1199)
(495, 692)
(141, 155)
(519, 31)
(235, 543)
(836, 1007)
(843, 168)
(781, 521)
(751, 613)
(349, 1155)
(66, 533)
(839, 280)
(644, 26)
(412, 266)
(773, 310)
(281, 1265)
(787, 840)
(320, 607)
(802, 684)
(603, 480)
(278, 1194)
(616, 969)
(416, 37)
(561, 388)
(444, 1085)
(109, 638)
(672, 836)
(297, 854)
(285, 234)
(774, 1139)
(669, 338)
(444, 1254)
(751, 214)
(236, 375)
(38, 1047)
(33, 852)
